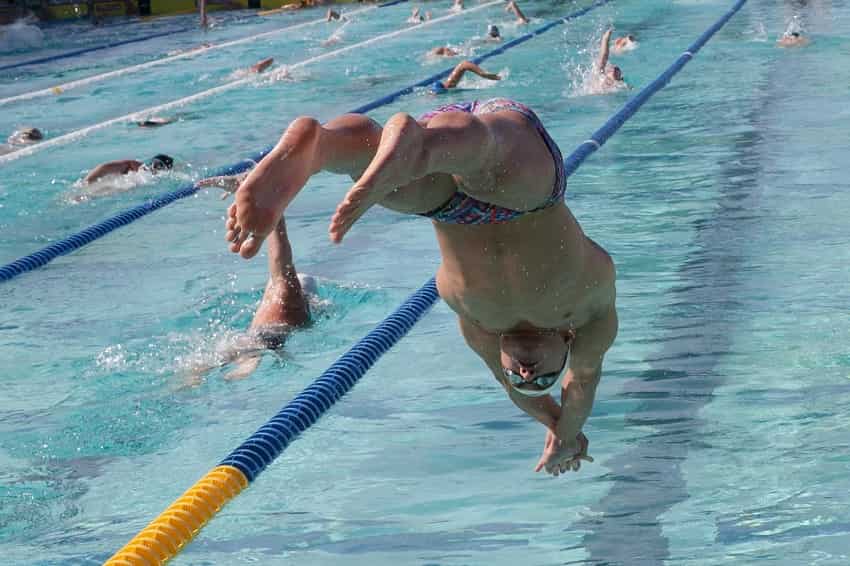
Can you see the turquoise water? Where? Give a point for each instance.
(720, 427)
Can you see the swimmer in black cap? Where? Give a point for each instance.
(155, 164)
(493, 33)
(154, 122)
(439, 87)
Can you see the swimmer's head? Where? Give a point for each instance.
(26, 135)
(794, 34)
(437, 87)
(493, 32)
(614, 72)
(534, 361)
(32, 134)
(160, 162)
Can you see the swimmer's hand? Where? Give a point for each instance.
(560, 457)
(229, 183)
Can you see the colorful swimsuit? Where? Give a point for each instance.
(464, 209)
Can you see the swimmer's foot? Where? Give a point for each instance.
(271, 186)
(400, 159)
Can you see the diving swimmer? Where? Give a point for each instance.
(439, 87)
(534, 296)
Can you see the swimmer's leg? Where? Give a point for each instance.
(344, 145)
(500, 157)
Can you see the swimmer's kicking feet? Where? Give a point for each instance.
(534, 296)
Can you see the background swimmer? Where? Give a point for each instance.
(493, 33)
(457, 6)
(457, 74)
(261, 66)
(283, 308)
(612, 76)
(513, 7)
(624, 43)
(154, 122)
(160, 162)
(792, 39)
(415, 17)
(25, 136)
(444, 51)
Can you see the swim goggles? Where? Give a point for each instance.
(545, 382)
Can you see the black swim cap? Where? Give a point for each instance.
(161, 161)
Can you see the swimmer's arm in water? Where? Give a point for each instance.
(461, 69)
(120, 167)
(604, 50)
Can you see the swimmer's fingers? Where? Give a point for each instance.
(228, 183)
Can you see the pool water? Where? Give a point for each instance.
(720, 429)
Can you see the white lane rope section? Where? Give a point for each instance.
(141, 114)
(59, 89)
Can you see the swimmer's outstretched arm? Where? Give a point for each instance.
(513, 7)
(604, 50)
(283, 302)
(461, 69)
(579, 387)
(120, 167)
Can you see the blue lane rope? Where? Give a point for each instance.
(67, 245)
(110, 45)
(609, 128)
(270, 440)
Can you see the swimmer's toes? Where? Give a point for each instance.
(250, 246)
